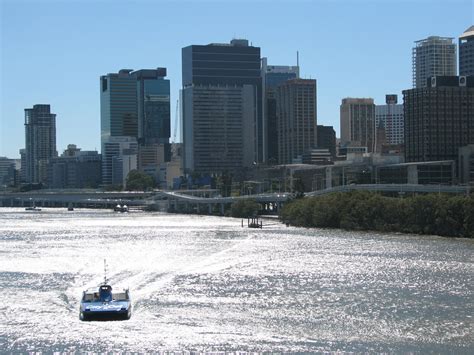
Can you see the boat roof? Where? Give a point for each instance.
(95, 289)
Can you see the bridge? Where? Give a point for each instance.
(399, 188)
(194, 201)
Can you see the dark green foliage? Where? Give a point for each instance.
(444, 215)
(137, 180)
(244, 208)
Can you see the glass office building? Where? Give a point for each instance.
(466, 52)
(227, 65)
(273, 75)
(135, 104)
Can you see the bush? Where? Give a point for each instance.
(244, 208)
(444, 215)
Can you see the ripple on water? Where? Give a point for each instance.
(206, 284)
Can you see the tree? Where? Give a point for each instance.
(244, 208)
(137, 180)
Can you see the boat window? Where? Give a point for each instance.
(119, 296)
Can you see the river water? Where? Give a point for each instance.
(203, 283)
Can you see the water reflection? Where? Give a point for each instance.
(204, 283)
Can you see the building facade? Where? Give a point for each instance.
(466, 52)
(118, 105)
(439, 119)
(357, 119)
(217, 78)
(75, 169)
(219, 134)
(7, 172)
(137, 104)
(433, 56)
(272, 76)
(390, 118)
(40, 142)
(113, 167)
(326, 138)
(296, 119)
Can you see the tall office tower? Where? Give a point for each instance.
(219, 128)
(40, 142)
(466, 52)
(358, 123)
(439, 119)
(326, 138)
(390, 117)
(272, 76)
(118, 105)
(221, 98)
(119, 157)
(433, 56)
(137, 104)
(153, 104)
(296, 118)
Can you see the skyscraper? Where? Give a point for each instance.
(439, 119)
(153, 106)
(40, 142)
(466, 52)
(433, 56)
(118, 105)
(390, 117)
(358, 123)
(222, 106)
(272, 76)
(136, 104)
(296, 118)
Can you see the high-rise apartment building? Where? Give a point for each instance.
(433, 56)
(222, 106)
(358, 123)
(296, 118)
(390, 118)
(439, 119)
(466, 52)
(272, 76)
(40, 142)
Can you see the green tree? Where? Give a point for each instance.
(137, 180)
(244, 208)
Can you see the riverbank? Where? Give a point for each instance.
(439, 214)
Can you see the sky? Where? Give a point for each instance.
(54, 51)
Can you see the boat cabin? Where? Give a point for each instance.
(104, 294)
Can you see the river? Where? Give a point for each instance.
(202, 283)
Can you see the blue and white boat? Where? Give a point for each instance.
(101, 303)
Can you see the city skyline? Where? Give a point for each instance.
(41, 65)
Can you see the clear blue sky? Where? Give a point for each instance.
(54, 51)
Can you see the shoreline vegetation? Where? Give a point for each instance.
(433, 214)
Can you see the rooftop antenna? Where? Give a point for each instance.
(105, 272)
(298, 62)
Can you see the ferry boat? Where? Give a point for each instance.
(101, 303)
